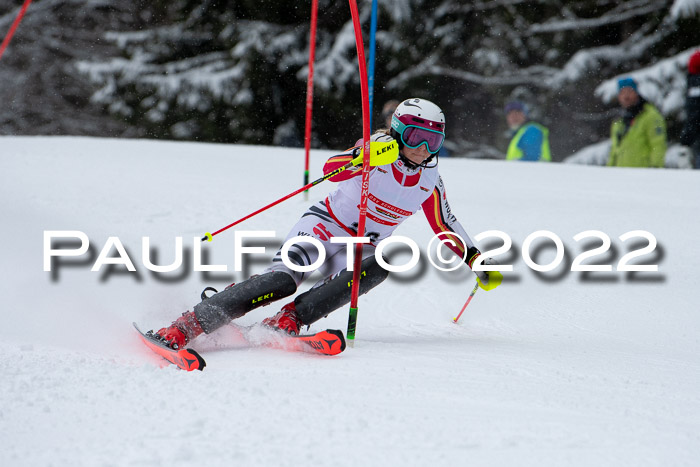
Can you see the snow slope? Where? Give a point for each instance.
(557, 368)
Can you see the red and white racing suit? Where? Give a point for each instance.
(395, 193)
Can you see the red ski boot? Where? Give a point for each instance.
(286, 320)
(182, 331)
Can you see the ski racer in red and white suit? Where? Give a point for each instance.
(397, 191)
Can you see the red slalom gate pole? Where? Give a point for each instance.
(310, 90)
(13, 28)
(355, 292)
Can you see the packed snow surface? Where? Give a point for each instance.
(551, 368)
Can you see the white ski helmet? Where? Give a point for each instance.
(417, 122)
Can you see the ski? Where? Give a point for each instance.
(186, 359)
(328, 342)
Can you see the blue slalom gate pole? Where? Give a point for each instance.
(372, 47)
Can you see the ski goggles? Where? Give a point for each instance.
(415, 136)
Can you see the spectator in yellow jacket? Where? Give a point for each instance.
(639, 137)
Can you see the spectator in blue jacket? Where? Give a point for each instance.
(691, 130)
(530, 140)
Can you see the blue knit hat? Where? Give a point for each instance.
(626, 83)
(515, 105)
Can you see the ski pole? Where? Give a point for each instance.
(383, 153)
(471, 295)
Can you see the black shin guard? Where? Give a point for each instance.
(335, 291)
(233, 302)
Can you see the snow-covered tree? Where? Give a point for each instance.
(235, 71)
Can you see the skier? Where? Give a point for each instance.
(398, 190)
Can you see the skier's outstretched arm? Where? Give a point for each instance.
(445, 224)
